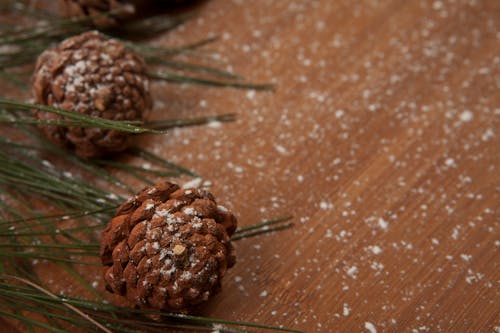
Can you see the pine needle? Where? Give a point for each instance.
(176, 123)
(75, 118)
(69, 306)
(184, 79)
(263, 227)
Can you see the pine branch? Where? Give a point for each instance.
(115, 318)
(64, 233)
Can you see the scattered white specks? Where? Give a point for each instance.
(194, 183)
(190, 211)
(325, 205)
(280, 149)
(214, 124)
(346, 310)
(263, 293)
(222, 209)
(383, 224)
(466, 116)
(236, 168)
(47, 164)
(437, 5)
(375, 249)
(217, 328)
(300, 178)
(473, 277)
(251, 94)
(377, 266)
(450, 162)
(186, 275)
(488, 135)
(370, 327)
(307, 62)
(466, 257)
(167, 272)
(352, 271)
(339, 114)
(372, 107)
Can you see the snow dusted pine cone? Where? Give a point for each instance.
(96, 76)
(168, 248)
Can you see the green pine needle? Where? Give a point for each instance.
(176, 123)
(40, 300)
(185, 79)
(74, 118)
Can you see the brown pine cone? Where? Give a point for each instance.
(109, 13)
(168, 248)
(100, 10)
(97, 76)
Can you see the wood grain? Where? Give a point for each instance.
(381, 139)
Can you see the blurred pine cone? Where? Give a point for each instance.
(106, 13)
(97, 76)
(109, 13)
(168, 248)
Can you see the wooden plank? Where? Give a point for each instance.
(381, 139)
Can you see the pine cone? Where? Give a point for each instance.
(121, 10)
(113, 12)
(168, 248)
(97, 76)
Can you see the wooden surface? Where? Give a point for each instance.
(381, 139)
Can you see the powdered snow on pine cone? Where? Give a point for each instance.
(168, 248)
(96, 76)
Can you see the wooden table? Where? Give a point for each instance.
(381, 139)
